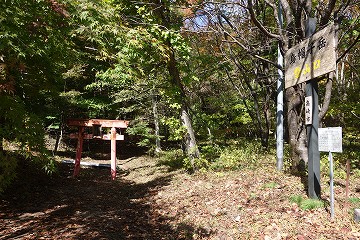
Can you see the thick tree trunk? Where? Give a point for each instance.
(191, 147)
(296, 125)
(189, 137)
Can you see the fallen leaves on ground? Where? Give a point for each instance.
(149, 202)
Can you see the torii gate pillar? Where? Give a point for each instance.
(113, 153)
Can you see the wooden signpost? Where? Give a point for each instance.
(97, 125)
(311, 58)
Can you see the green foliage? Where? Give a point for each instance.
(339, 163)
(355, 201)
(50, 167)
(176, 129)
(244, 155)
(200, 164)
(306, 204)
(270, 185)
(8, 164)
(35, 48)
(174, 159)
(140, 128)
(211, 152)
(338, 168)
(20, 126)
(240, 155)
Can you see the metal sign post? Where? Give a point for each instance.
(280, 106)
(330, 140)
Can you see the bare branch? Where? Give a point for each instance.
(258, 24)
(287, 10)
(348, 49)
(252, 54)
(327, 13)
(327, 97)
(276, 15)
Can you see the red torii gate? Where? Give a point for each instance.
(97, 124)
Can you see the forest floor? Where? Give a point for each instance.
(152, 201)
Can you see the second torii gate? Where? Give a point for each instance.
(97, 124)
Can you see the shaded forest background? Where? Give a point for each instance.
(197, 79)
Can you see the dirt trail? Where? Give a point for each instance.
(149, 202)
(88, 207)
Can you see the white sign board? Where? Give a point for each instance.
(313, 57)
(330, 139)
(308, 110)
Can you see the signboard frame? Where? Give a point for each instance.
(330, 139)
(311, 58)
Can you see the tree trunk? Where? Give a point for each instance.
(59, 136)
(296, 125)
(210, 136)
(156, 123)
(1, 136)
(189, 138)
(327, 97)
(191, 147)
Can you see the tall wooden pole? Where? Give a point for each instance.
(314, 188)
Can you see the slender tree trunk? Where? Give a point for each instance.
(267, 117)
(59, 136)
(210, 136)
(2, 119)
(189, 138)
(327, 97)
(1, 136)
(329, 84)
(156, 123)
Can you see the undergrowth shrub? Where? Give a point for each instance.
(200, 164)
(174, 159)
(306, 204)
(8, 164)
(355, 202)
(338, 168)
(210, 152)
(247, 154)
(12, 162)
(239, 155)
